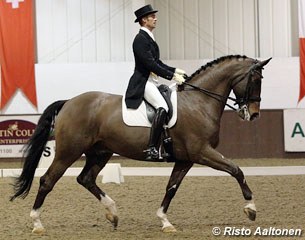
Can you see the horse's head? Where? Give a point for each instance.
(248, 90)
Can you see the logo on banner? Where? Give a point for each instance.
(14, 132)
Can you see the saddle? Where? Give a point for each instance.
(142, 116)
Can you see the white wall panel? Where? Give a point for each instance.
(241, 27)
(220, 26)
(294, 28)
(74, 31)
(274, 28)
(117, 35)
(191, 31)
(44, 33)
(235, 26)
(206, 32)
(250, 28)
(103, 30)
(88, 27)
(265, 28)
(59, 30)
(176, 30)
(281, 24)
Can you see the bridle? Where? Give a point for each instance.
(255, 69)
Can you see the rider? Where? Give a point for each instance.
(143, 82)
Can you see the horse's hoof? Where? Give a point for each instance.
(251, 214)
(113, 219)
(39, 230)
(169, 229)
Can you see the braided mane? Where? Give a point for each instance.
(214, 62)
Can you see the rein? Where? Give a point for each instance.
(216, 96)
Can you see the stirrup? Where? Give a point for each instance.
(151, 153)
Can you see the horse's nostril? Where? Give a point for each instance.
(254, 116)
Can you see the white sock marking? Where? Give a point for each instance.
(35, 215)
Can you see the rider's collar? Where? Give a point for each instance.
(148, 32)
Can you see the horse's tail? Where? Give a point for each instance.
(34, 149)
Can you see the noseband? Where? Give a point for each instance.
(240, 101)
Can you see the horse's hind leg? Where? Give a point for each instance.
(47, 182)
(179, 171)
(87, 178)
(214, 159)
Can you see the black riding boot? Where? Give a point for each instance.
(155, 133)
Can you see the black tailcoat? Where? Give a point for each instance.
(146, 54)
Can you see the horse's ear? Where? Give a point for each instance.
(263, 63)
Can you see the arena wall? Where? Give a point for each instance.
(262, 138)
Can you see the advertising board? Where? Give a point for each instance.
(294, 130)
(15, 131)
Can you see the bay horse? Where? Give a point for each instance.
(92, 124)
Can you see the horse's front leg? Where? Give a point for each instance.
(214, 159)
(179, 171)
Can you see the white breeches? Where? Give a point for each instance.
(153, 96)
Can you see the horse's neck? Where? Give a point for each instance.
(215, 80)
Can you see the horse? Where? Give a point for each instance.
(92, 124)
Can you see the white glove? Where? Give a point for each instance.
(178, 78)
(180, 71)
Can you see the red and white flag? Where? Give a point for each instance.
(17, 55)
(302, 48)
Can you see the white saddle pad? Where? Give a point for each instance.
(138, 117)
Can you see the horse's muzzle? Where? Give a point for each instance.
(254, 109)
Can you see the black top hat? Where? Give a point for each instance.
(144, 11)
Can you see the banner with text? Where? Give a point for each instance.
(294, 130)
(15, 131)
